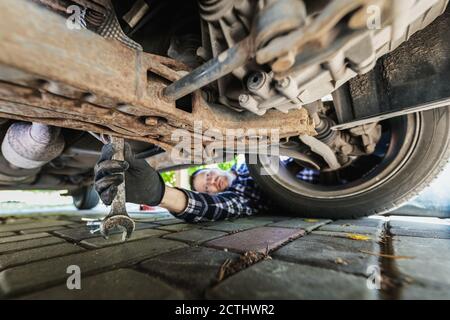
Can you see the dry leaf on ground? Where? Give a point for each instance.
(358, 237)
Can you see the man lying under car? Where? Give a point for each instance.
(216, 195)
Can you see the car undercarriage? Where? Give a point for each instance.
(357, 90)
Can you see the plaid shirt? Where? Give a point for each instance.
(242, 198)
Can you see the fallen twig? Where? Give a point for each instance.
(244, 261)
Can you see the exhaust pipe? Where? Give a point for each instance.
(31, 146)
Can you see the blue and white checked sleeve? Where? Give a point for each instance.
(224, 205)
(243, 198)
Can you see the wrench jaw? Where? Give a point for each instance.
(121, 222)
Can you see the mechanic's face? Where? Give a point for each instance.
(212, 181)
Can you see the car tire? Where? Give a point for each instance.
(85, 198)
(415, 172)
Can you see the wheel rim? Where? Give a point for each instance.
(404, 134)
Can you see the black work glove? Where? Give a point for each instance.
(143, 184)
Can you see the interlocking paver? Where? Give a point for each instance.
(179, 227)
(28, 244)
(53, 271)
(258, 239)
(331, 252)
(429, 263)
(117, 238)
(76, 234)
(122, 284)
(166, 222)
(272, 279)
(419, 229)
(195, 268)
(374, 222)
(326, 263)
(75, 225)
(145, 225)
(264, 218)
(349, 229)
(234, 226)
(83, 232)
(301, 223)
(195, 236)
(12, 220)
(364, 226)
(7, 234)
(36, 254)
(32, 225)
(429, 292)
(46, 229)
(346, 235)
(17, 238)
(73, 218)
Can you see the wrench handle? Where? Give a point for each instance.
(118, 204)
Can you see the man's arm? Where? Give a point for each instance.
(174, 200)
(195, 207)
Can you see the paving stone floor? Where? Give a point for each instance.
(296, 258)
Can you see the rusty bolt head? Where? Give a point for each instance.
(151, 121)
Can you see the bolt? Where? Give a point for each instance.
(250, 103)
(244, 99)
(284, 83)
(151, 121)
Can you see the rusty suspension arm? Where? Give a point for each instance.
(77, 79)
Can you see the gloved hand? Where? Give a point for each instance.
(143, 184)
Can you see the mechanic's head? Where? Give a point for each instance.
(211, 180)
